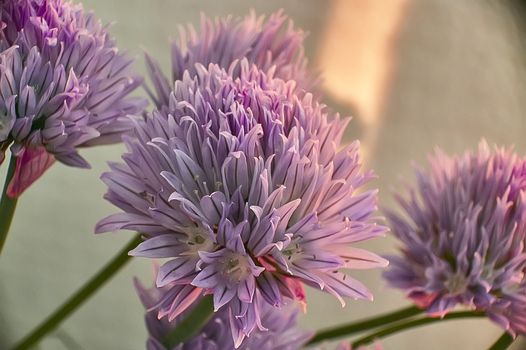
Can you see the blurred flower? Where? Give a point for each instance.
(63, 85)
(273, 46)
(244, 185)
(281, 332)
(463, 236)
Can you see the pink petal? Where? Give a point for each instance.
(30, 166)
(297, 289)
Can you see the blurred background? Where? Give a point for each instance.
(414, 74)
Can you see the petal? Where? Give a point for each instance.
(207, 278)
(74, 160)
(356, 258)
(7, 121)
(319, 260)
(222, 295)
(184, 299)
(210, 258)
(162, 246)
(269, 289)
(246, 289)
(235, 172)
(211, 206)
(175, 270)
(262, 237)
(30, 165)
(146, 296)
(297, 290)
(284, 213)
(128, 221)
(342, 285)
(237, 334)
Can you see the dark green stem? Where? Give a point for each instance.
(7, 204)
(192, 324)
(363, 325)
(402, 326)
(77, 299)
(503, 342)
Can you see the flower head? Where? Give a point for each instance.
(244, 186)
(63, 85)
(281, 332)
(273, 45)
(463, 236)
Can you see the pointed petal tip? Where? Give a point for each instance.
(99, 228)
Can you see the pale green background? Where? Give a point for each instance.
(460, 77)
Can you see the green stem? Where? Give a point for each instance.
(402, 326)
(84, 293)
(363, 325)
(7, 204)
(503, 342)
(192, 324)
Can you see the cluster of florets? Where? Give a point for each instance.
(242, 183)
(63, 85)
(463, 236)
(273, 45)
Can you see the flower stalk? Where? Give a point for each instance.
(405, 325)
(364, 325)
(77, 299)
(7, 204)
(504, 341)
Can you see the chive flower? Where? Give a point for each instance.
(63, 85)
(462, 232)
(243, 185)
(274, 45)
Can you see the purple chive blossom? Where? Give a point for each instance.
(272, 45)
(280, 331)
(63, 85)
(245, 187)
(463, 236)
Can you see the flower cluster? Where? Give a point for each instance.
(63, 85)
(243, 184)
(240, 180)
(273, 45)
(281, 332)
(463, 236)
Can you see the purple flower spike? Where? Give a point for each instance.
(273, 46)
(63, 85)
(280, 332)
(463, 237)
(244, 186)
